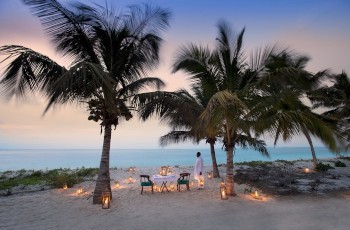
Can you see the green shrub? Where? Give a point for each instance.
(57, 179)
(320, 167)
(84, 172)
(339, 164)
(37, 177)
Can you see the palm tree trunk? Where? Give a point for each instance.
(213, 158)
(230, 186)
(313, 153)
(103, 179)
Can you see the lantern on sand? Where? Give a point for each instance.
(307, 170)
(65, 186)
(117, 185)
(106, 200)
(192, 183)
(80, 191)
(172, 186)
(164, 170)
(256, 195)
(130, 180)
(201, 182)
(210, 175)
(223, 193)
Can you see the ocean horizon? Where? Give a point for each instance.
(41, 159)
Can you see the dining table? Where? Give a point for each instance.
(163, 180)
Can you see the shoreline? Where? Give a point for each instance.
(194, 209)
(278, 177)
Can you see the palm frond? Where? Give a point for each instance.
(29, 72)
(81, 82)
(70, 31)
(175, 137)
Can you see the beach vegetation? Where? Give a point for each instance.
(54, 178)
(112, 53)
(320, 167)
(255, 163)
(339, 164)
(86, 172)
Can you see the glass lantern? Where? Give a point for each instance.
(223, 193)
(106, 200)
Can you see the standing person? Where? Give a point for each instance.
(198, 169)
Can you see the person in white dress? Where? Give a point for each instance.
(198, 168)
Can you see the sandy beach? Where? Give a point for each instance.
(194, 209)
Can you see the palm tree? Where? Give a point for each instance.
(181, 111)
(282, 112)
(234, 80)
(111, 56)
(336, 100)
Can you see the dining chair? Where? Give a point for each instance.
(183, 179)
(145, 181)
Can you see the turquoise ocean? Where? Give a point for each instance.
(121, 158)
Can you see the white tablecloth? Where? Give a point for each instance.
(160, 179)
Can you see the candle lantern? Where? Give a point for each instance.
(307, 170)
(130, 180)
(117, 185)
(65, 186)
(210, 175)
(222, 183)
(201, 182)
(155, 186)
(223, 193)
(172, 186)
(106, 200)
(192, 183)
(256, 195)
(80, 191)
(164, 170)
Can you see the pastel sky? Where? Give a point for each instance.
(317, 28)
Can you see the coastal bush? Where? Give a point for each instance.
(23, 178)
(339, 164)
(86, 172)
(255, 163)
(320, 167)
(57, 179)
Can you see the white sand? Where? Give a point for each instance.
(195, 209)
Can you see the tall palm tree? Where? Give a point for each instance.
(234, 78)
(283, 114)
(111, 56)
